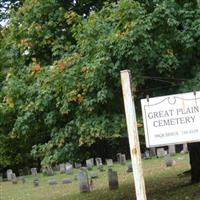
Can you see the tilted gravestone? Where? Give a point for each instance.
(109, 162)
(34, 172)
(160, 152)
(112, 180)
(90, 163)
(168, 161)
(83, 179)
(66, 181)
(172, 150)
(69, 168)
(62, 168)
(14, 178)
(52, 182)
(9, 173)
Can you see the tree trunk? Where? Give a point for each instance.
(194, 151)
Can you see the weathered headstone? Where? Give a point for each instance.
(152, 151)
(130, 168)
(22, 179)
(52, 182)
(56, 168)
(49, 171)
(112, 180)
(168, 161)
(69, 168)
(119, 157)
(34, 172)
(90, 163)
(83, 179)
(9, 173)
(123, 159)
(160, 152)
(77, 165)
(98, 162)
(66, 181)
(14, 178)
(147, 154)
(109, 162)
(62, 168)
(1, 178)
(172, 150)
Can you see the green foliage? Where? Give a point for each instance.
(62, 91)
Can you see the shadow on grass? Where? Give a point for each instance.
(164, 188)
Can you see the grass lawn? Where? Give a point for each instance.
(162, 183)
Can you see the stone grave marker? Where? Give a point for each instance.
(66, 181)
(52, 182)
(77, 165)
(34, 172)
(14, 178)
(168, 161)
(130, 168)
(119, 157)
(9, 173)
(22, 179)
(62, 168)
(147, 154)
(123, 159)
(56, 168)
(112, 179)
(98, 162)
(49, 171)
(160, 152)
(1, 178)
(152, 152)
(83, 179)
(109, 162)
(172, 150)
(185, 148)
(36, 181)
(69, 168)
(90, 163)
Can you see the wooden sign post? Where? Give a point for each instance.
(133, 135)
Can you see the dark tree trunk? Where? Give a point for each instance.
(194, 151)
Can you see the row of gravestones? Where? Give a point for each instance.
(161, 152)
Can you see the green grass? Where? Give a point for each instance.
(162, 183)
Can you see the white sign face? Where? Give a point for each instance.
(173, 119)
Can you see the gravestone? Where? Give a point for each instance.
(34, 172)
(152, 152)
(168, 161)
(14, 178)
(1, 178)
(98, 162)
(22, 179)
(109, 162)
(185, 148)
(160, 152)
(112, 180)
(130, 168)
(83, 179)
(49, 171)
(52, 182)
(123, 159)
(90, 163)
(172, 150)
(77, 165)
(9, 173)
(35, 181)
(119, 157)
(69, 168)
(21, 173)
(66, 181)
(62, 168)
(147, 154)
(56, 168)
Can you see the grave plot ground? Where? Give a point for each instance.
(162, 183)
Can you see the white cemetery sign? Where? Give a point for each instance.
(171, 119)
